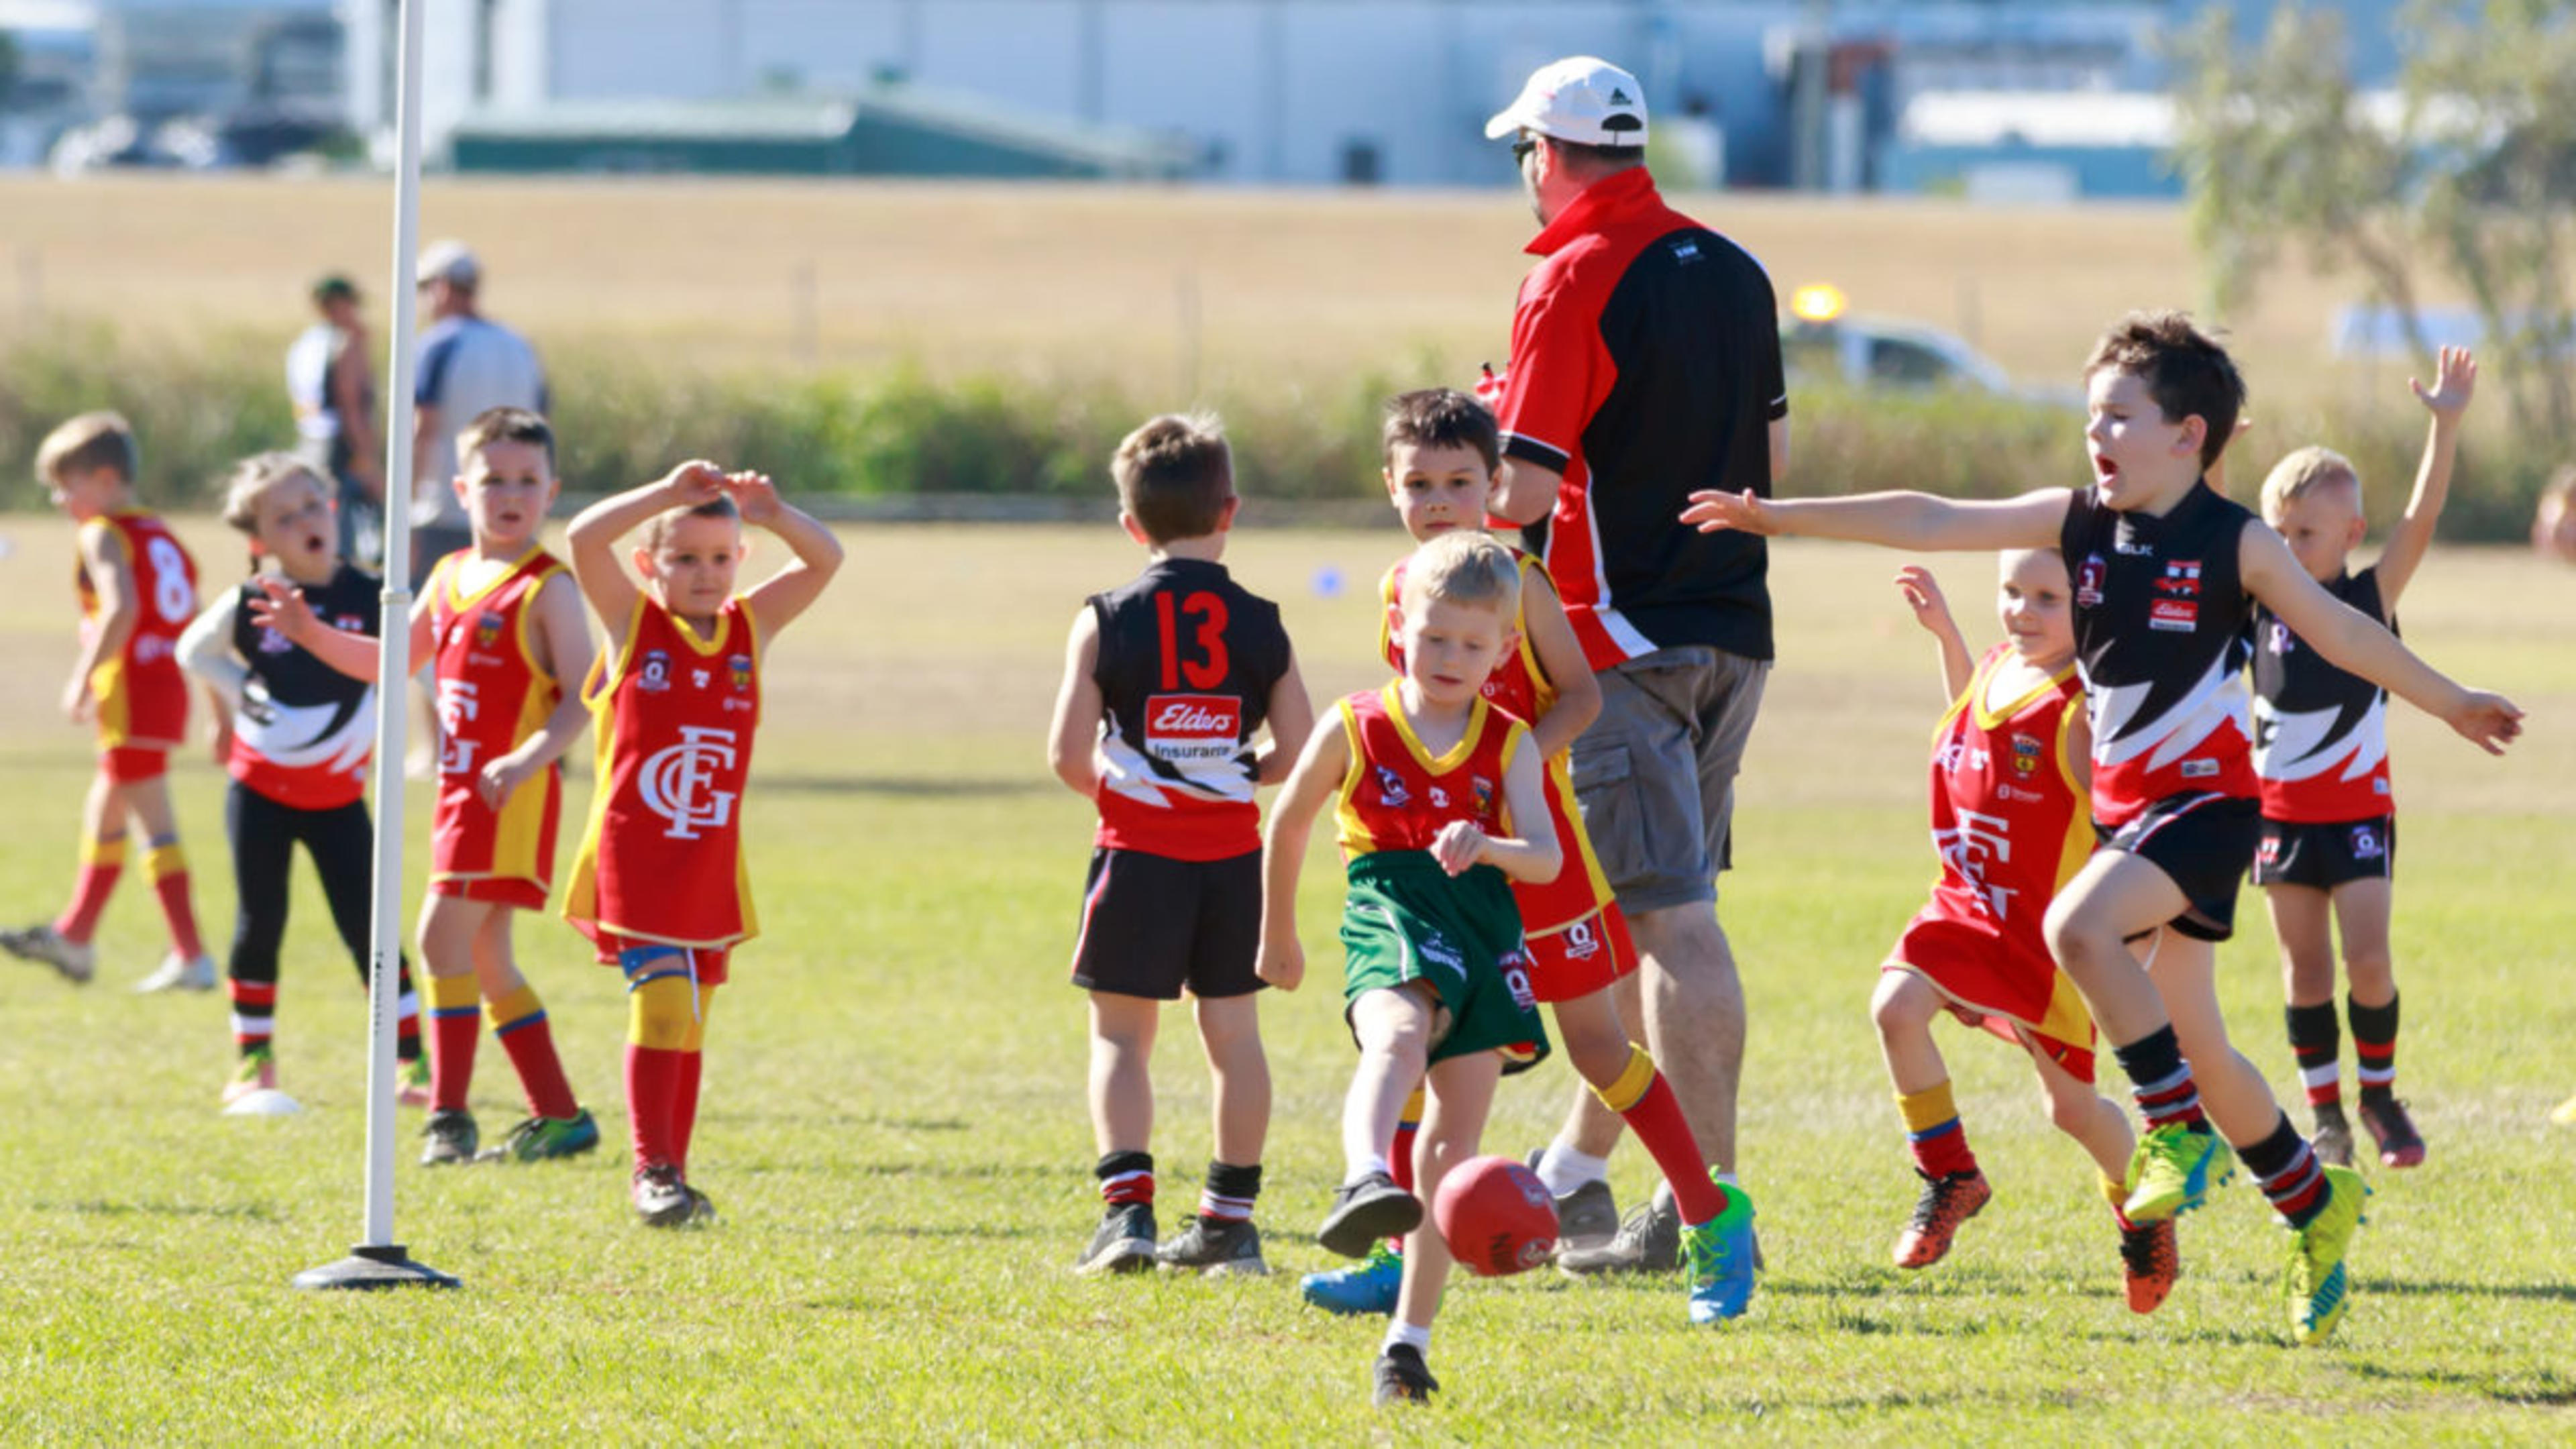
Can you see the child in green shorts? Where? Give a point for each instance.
(1427, 780)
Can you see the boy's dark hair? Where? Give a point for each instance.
(1175, 476)
(2185, 370)
(1441, 417)
(334, 288)
(90, 441)
(507, 425)
(658, 527)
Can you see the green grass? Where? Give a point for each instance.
(894, 1128)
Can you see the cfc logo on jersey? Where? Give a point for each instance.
(459, 703)
(678, 782)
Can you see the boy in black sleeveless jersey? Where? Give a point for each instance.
(2167, 572)
(296, 736)
(1166, 682)
(2327, 856)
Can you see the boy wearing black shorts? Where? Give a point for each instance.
(1166, 682)
(2167, 572)
(2327, 858)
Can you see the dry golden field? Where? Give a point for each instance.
(1211, 289)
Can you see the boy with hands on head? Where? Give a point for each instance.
(2166, 573)
(660, 886)
(1430, 784)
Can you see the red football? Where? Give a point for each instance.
(1496, 1216)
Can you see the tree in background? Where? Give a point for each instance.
(8, 67)
(2468, 169)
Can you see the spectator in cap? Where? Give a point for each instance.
(1645, 364)
(332, 384)
(468, 364)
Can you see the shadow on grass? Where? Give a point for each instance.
(961, 1171)
(241, 1211)
(2435, 1288)
(901, 787)
(827, 1118)
(2546, 1389)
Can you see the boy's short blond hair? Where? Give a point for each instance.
(2307, 470)
(255, 475)
(1464, 568)
(1175, 476)
(90, 441)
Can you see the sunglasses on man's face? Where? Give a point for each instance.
(1522, 148)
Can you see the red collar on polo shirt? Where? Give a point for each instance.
(1610, 199)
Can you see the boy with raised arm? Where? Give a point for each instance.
(2326, 859)
(2166, 574)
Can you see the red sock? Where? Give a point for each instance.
(1657, 1120)
(101, 862)
(519, 1020)
(455, 1020)
(652, 1100)
(1399, 1153)
(168, 867)
(684, 1109)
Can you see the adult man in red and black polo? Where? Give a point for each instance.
(1645, 363)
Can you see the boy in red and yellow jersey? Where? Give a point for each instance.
(500, 625)
(1427, 779)
(1166, 682)
(1441, 452)
(676, 698)
(138, 590)
(2010, 762)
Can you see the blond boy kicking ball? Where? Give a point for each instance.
(1429, 784)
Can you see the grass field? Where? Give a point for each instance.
(895, 1133)
(1199, 290)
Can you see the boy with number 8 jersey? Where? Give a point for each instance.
(1166, 682)
(138, 590)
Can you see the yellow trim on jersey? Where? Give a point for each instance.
(1542, 687)
(1348, 827)
(1988, 719)
(458, 602)
(2080, 842)
(1455, 755)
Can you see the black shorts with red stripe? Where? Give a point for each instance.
(1152, 925)
(2204, 843)
(2326, 856)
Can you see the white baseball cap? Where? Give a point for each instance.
(1582, 99)
(448, 261)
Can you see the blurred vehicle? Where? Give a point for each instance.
(1820, 338)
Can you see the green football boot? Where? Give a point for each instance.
(2318, 1282)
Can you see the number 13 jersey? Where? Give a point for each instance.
(1186, 664)
(661, 859)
